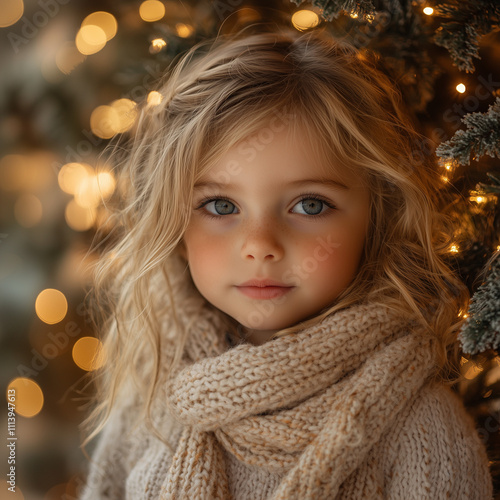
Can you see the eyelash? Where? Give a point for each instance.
(305, 196)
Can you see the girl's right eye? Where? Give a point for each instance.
(220, 207)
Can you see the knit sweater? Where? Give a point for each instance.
(421, 444)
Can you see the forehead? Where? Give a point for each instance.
(275, 152)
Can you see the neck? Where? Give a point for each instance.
(256, 337)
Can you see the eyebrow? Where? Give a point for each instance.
(327, 181)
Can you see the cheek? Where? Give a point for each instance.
(205, 254)
(331, 262)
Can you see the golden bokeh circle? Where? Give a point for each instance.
(51, 306)
(28, 396)
(88, 353)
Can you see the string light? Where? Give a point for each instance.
(29, 396)
(11, 12)
(154, 98)
(445, 179)
(90, 39)
(461, 88)
(184, 30)
(103, 20)
(304, 19)
(51, 306)
(473, 371)
(157, 45)
(72, 175)
(151, 11)
(79, 218)
(88, 353)
(428, 11)
(454, 249)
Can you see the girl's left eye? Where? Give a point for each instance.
(311, 205)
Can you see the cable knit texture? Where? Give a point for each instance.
(340, 410)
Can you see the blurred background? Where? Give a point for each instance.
(72, 72)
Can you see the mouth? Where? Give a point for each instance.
(264, 289)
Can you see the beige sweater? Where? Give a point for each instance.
(430, 450)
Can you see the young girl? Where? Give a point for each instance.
(281, 322)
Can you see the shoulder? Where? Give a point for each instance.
(434, 450)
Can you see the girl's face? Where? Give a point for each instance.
(267, 211)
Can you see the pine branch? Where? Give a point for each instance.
(467, 22)
(493, 188)
(481, 330)
(332, 8)
(481, 137)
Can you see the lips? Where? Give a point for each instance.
(264, 289)
(264, 283)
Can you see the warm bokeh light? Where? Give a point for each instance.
(88, 353)
(305, 19)
(79, 218)
(247, 15)
(29, 396)
(104, 122)
(94, 189)
(154, 98)
(28, 210)
(106, 184)
(151, 10)
(103, 20)
(454, 249)
(87, 195)
(68, 57)
(13, 495)
(473, 371)
(157, 45)
(126, 112)
(184, 30)
(57, 492)
(10, 12)
(492, 376)
(479, 199)
(72, 175)
(461, 88)
(90, 39)
(445, 179)
(354, 15)
(51, 306)
(428, 11)
(12, 172)
(25, 172)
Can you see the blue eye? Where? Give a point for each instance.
(312, 206)
(221, 207)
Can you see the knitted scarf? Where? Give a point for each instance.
(309, 405)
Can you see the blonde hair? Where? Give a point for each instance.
(220, 92)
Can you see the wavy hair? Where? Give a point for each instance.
(218, 93)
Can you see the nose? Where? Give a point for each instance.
(261, 243)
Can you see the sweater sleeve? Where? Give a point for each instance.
(117, 449)
(438, 453)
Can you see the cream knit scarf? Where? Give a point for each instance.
(309, 405)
